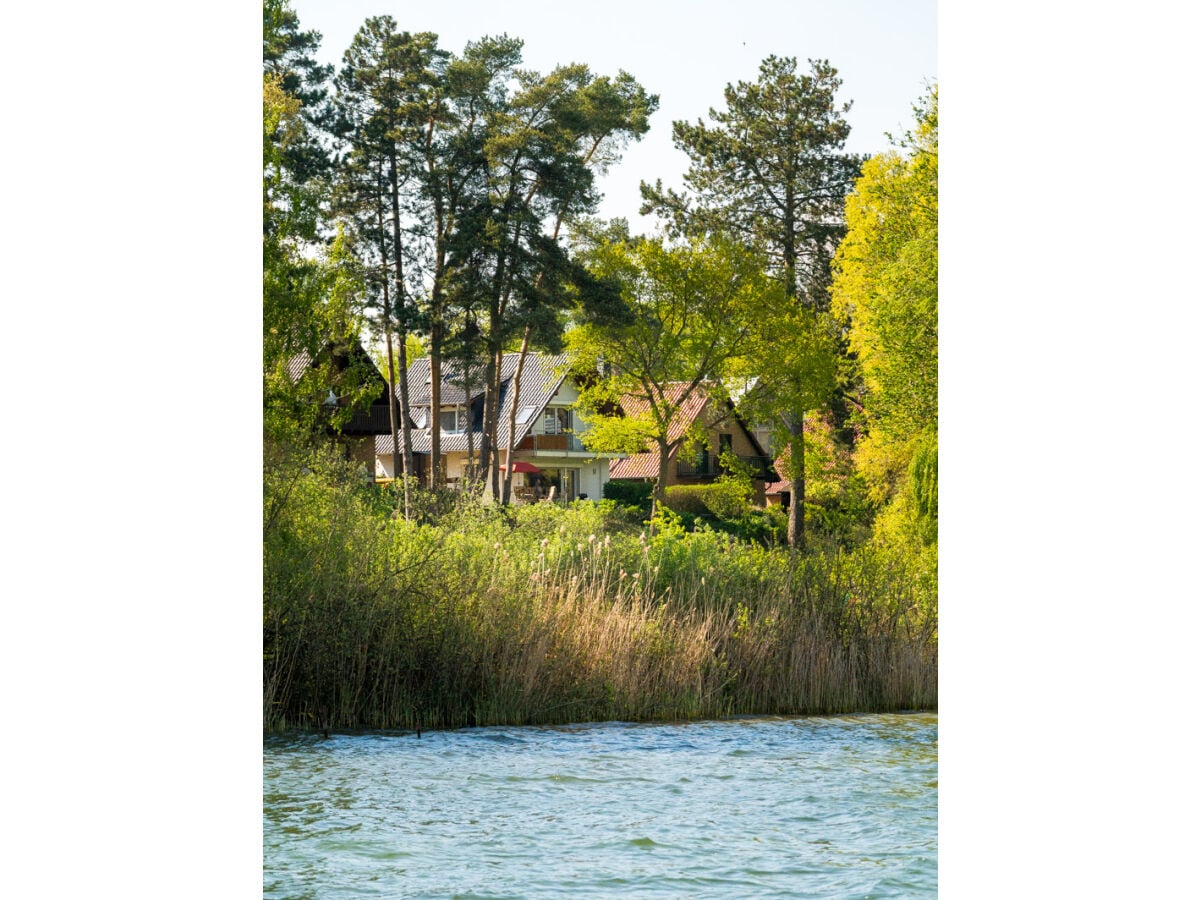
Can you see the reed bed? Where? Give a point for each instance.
(545, 615)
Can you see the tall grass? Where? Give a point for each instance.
(542, 614)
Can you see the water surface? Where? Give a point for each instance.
(826, 807)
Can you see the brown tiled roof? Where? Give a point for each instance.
(645, 465)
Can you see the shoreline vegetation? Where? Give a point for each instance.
(477, 614)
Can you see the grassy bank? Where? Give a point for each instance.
(542, 614)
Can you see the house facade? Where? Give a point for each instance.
(723, 431)
(549, 459)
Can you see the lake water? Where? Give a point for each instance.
(830, 807)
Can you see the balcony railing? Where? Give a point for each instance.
(709, 466)
(374, 420)
(551, 443)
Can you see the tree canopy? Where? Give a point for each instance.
(771, 171)
(885, 288)
(691, 311)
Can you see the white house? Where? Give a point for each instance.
(548, 457)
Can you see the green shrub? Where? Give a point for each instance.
(688, 499)
(725, 498)
(630, 493)
(729, 496)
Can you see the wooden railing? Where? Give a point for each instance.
(374, 420)
(549, 443)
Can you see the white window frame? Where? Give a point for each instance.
(459, 418)
(557, 420)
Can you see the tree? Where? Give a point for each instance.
(289, 60)
(689, 313)
(597, 122)
(771, 171)
(381, 90)
(543, 143)
(295, 312)
(795, 365)
(885, 288)
(482, 162)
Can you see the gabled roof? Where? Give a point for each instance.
(342, 358)
(364, 421)
(541, 378)
(645, 465)
(453, 384)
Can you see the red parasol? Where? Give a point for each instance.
(521, 466)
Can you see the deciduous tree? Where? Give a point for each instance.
(771, 170)
(691, 310)
(885, 288)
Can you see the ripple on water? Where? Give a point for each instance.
(751, 807)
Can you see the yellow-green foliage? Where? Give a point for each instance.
(885, 287)
(725, 498)
(910, 519)
(886, 277)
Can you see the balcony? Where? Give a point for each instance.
(709, 466)
(374, 420)
(551, 444)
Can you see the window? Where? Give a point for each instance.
(565, 483)
(525, 414)
(557, 420)
(453, 420)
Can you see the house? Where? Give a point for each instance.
(723, 428)
(355, 379)
(548, 456)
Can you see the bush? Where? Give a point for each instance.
(630, 493)
(725, 498)
(688, 499)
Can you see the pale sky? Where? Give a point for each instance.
(885, 52)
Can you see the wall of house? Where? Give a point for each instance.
(592, 478)
(566, 396)
(741, 443)
(455, 464)
(383, 466)
(361, 449)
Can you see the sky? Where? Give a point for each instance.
(885, 53)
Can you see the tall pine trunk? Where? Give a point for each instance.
(392, 417)
(386, 316)
(512, 417)
(405, 408)
(435, 405)
(796, 512)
